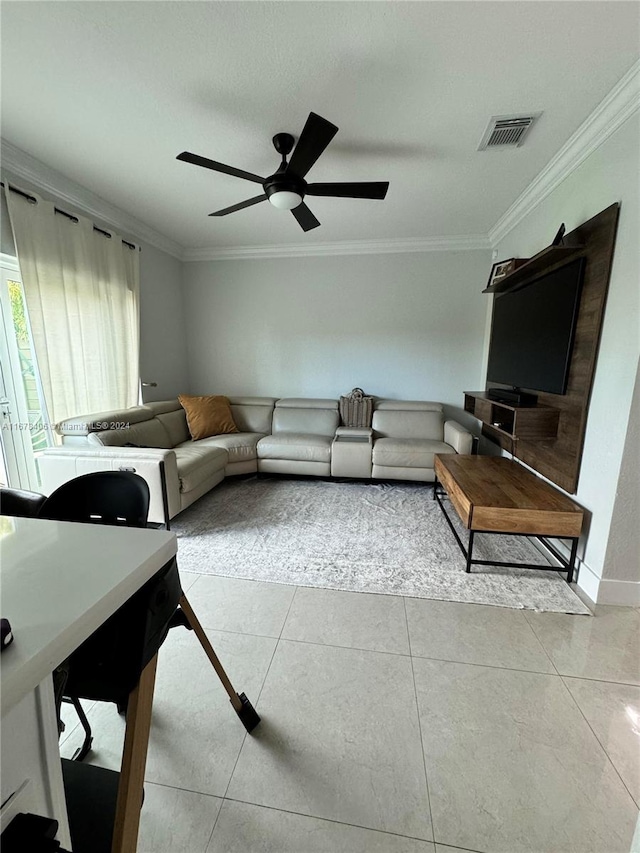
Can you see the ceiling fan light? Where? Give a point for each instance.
(285, 199)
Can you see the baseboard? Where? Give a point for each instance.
(588, 581)
(605, 591)
(600, 590)
(622, 593)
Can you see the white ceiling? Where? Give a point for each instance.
(108, 93)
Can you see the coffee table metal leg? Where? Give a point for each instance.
(572, 559)
(470, 550)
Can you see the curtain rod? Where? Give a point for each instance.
(70, 216)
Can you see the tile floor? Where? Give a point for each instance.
(389, 725)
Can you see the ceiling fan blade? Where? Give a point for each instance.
(371, 189)
(316, 135)
(241, 204)
(305, 218)
(187, 157)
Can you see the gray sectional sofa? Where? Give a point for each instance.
(278, 436)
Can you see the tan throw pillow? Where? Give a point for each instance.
(207, 415)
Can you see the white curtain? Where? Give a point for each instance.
(82, 295)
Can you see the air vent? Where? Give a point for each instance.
(507, 131)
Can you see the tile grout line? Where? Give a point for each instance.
(542, 645)
(556, 672)
(583, 677)
(602, 746)
(264, 680)
(421, 657)
(240, 633)
(415, 695)
(393, 594)
(329, 820)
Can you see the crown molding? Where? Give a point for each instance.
(343, 247)
(619, 105)
(19, 164)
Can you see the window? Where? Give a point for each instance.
(24, 423)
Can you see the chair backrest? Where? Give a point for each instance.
(19, 503)
(107, 666)
(102, 497)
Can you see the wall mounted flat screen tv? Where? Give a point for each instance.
(532, 331)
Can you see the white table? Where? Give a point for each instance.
(59, 581)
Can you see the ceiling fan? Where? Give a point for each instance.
(286, 188)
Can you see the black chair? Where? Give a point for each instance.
(20, 504)
(102, 497)
(108, 665)
(117, 662)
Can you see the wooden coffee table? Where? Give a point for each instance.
(492, 494)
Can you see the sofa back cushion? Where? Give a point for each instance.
(85, 424)
(306, 415)
(149, 433)
(173, 418)
(175, 424)
(408, 419)
(253, 414)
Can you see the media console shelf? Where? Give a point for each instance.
(549, 437)
(502, 420)
(544, 262)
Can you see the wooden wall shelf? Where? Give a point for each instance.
(549, 437)
(534, 423)
(541, 263)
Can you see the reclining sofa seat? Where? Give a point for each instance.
(302, 432)
(406, 436)
(159, 433)
(252, 416)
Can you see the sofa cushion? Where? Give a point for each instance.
(306, 403)
(407, 452)
(85, 424)
(252, 414)
(175, 424)
(298, 447)
(405, 422)
(407, 406)
(207, 415)
(150, 433)
(299, 415)
(241, 446)
(161, 407)
(196, 465)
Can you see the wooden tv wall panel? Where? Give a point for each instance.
(559, 459)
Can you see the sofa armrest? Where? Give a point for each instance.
(458, 437)
(58, 465)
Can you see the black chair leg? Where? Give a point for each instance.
(180, 620)
(81, 753)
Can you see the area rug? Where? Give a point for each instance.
(361, 537)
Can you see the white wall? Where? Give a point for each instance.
(405, 326)
(163, 352)
(609, 174)
(622, 560)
